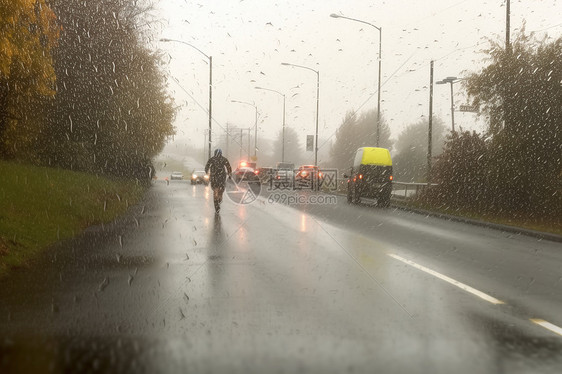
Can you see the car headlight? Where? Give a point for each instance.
(206, 176)
(193, 176)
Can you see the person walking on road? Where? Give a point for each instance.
(218, 169)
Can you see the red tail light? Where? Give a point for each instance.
(391, 177)
(304, 173)
(257, 172)
(360, 176)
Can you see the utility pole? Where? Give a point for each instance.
(452, 109)
(210, 101)
(429, 135)
(227, 136)
(379, 90)
(249, 129)
(205, 143)
(256, 136)
(241, 142)
(451, 80)
(507, 24)
(283, 136)
(317, 113)
(507, 97)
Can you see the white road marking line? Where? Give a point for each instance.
(547, 325)
(460, 285)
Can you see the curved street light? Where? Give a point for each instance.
(210, 58)
(451, 80)
(317, 105)
(255, 125)
(333, 15)
(283, 132)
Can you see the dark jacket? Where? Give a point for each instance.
(218, 168)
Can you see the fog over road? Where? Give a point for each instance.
(265, 287)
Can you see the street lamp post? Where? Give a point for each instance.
(210, 58)
(333, 15)
(255, 126)
(451, 80)
(317, 105)
(283, 132)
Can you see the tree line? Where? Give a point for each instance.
(355, 131)
(79, 89)
(515, 167)
(409, 149)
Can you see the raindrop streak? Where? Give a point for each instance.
(104, 284)
(54, 307)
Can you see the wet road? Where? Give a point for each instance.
(312, 288)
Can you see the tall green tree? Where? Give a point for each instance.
(521, 94)
(294, 151)
(461, 173)
(355, 132)
(410, 161)
(111, 114)
(28, 33)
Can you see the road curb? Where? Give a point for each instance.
(506, 228)
(496, 226)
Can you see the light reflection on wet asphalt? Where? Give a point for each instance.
(269, 288)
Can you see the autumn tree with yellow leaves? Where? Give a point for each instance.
(28, 32)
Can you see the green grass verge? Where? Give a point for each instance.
(39, 206)
(544, 224)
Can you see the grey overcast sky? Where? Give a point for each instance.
(249, 39)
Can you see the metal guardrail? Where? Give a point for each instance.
(406, 190)
(400, 190)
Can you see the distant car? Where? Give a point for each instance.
(245, 174)
(199, 176)
(308, 175)
(176, 175)
(283, 178)
(265, 173)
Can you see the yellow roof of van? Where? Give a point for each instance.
(376, 156)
